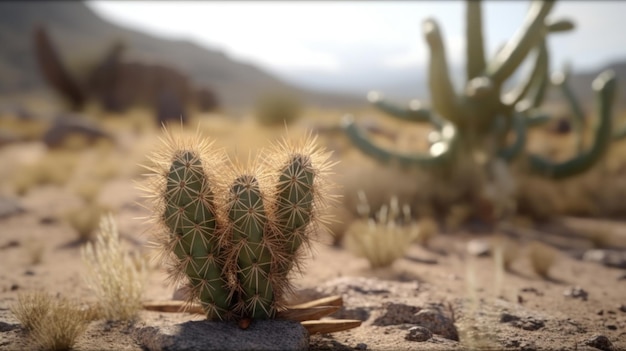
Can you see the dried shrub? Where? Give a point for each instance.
(384, 238)
(116, 278)
(54, 324)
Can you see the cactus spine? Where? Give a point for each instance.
(234, 236)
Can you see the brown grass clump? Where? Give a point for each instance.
(30, 308)
(54, 324)
(384, 239)
(116, 278)
(542, 257)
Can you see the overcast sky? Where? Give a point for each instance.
(307, 41)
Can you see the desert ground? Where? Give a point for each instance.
(459, 285)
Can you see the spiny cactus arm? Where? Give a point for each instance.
(604, 86)
(294, 206)
(561, 80)
(55, 72)
(439, 152)
(444, 99)
(540, 69)
(519, 126)
(189, 215)
(515, 51)
(474, 45)
(248, 217)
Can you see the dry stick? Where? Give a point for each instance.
(308, 313)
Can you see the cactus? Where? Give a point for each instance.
(478, 120)
(234, 243)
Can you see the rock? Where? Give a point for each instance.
(478, 248)
(9, 207)
(212, 335)
(622, 308)
(418, 334)
(437, 322)
(361, 346)
(431, 317)
(576, 292)
(66, 125)
(526, 323)
(609, 258)
(600, 342)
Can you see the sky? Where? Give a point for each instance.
(352, 45)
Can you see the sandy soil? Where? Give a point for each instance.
(521, 311)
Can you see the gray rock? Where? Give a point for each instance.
(211, 335)
(609, 258)
(9, 207)
(430, 317)
(66, 125)
(526, 323)
(437, 322)
(600, 342)
(576, 292)
(418, 334)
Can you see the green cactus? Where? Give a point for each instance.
(480, 118)
(190, 217)
(249, 221)
(235, 243)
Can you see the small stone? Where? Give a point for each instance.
(600, 312)
(576, 292)
(611, 327)
(14, 287)
(622, 308)
(609, 258)
(361, 346)
(600, 342)
(418, 334)
(507, 317)
(29, 272)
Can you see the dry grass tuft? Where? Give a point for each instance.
(30, 308)
(116, 278)
(385, 238)
(54, 324)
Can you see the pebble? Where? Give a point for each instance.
(418, 334)
(576, 292)
(361, 346)
(600, 342)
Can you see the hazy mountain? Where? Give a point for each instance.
(83, 36)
